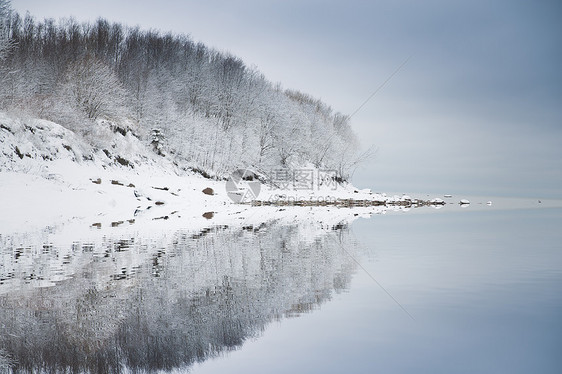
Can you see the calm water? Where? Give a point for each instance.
(483, 285)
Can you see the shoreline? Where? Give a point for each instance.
(46, 183)
(149, 199)
(120, 198)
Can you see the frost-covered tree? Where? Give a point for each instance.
(92, 87)
(5, 47)
(211, 110)
(5, 42)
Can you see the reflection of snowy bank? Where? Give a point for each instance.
(166, 301)
(42, 258)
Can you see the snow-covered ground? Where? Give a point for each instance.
(50, 177)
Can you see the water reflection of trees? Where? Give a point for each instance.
(188, 298)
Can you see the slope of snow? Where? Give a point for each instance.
(49, 176)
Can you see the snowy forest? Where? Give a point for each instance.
(203, 108)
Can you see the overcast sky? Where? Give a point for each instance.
(477, 109)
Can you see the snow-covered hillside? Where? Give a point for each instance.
(204, 106)
(49, 175)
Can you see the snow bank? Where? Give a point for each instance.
(50, 177)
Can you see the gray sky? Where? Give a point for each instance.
(476, 110)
